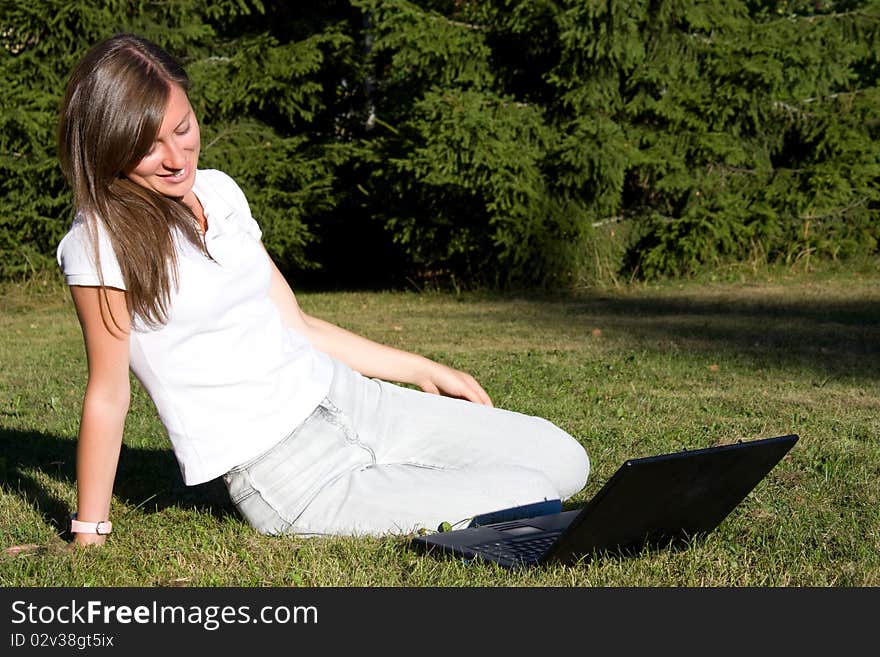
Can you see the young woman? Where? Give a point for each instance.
(170, 279)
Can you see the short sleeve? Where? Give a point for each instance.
(76, 257)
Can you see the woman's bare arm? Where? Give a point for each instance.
(105, 324)
(372, 358)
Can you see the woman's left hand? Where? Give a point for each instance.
(443, 380)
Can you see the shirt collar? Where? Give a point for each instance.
(217, 210)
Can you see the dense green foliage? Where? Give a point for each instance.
(495, 140)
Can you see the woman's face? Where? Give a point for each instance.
(170, 166)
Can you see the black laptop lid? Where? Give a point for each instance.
(669, 498)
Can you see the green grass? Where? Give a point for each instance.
(631, 372)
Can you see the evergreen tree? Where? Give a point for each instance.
(721, 128)
(493, 140)
(259, 95)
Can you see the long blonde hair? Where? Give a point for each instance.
(112, 110)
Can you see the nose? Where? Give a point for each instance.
(173, 158)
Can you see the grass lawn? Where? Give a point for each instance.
(631, 372)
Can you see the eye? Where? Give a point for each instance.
(182, 130)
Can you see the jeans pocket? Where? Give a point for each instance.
(238, 486)
(258, 513)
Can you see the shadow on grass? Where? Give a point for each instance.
(146, 478)
(831, 338)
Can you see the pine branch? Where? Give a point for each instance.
(221, 135)
(467, 26)
(835, 96)
(794, 110)
(836, 212)
(608, 220)
(794, 18)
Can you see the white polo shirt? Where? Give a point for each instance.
(228, 379)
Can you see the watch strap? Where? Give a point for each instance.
(101, 527)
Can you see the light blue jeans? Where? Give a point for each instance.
(376, 458)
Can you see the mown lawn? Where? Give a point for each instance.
(631, 372)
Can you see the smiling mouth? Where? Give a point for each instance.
(175, 176)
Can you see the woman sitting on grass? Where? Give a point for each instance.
(169, 278)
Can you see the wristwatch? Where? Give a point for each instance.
(101, 527)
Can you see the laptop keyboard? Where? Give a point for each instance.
(519, 549)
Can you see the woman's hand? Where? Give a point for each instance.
(443, 380)
(371, 358)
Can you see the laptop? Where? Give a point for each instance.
(660, 501)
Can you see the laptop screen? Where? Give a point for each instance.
(665, 499)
